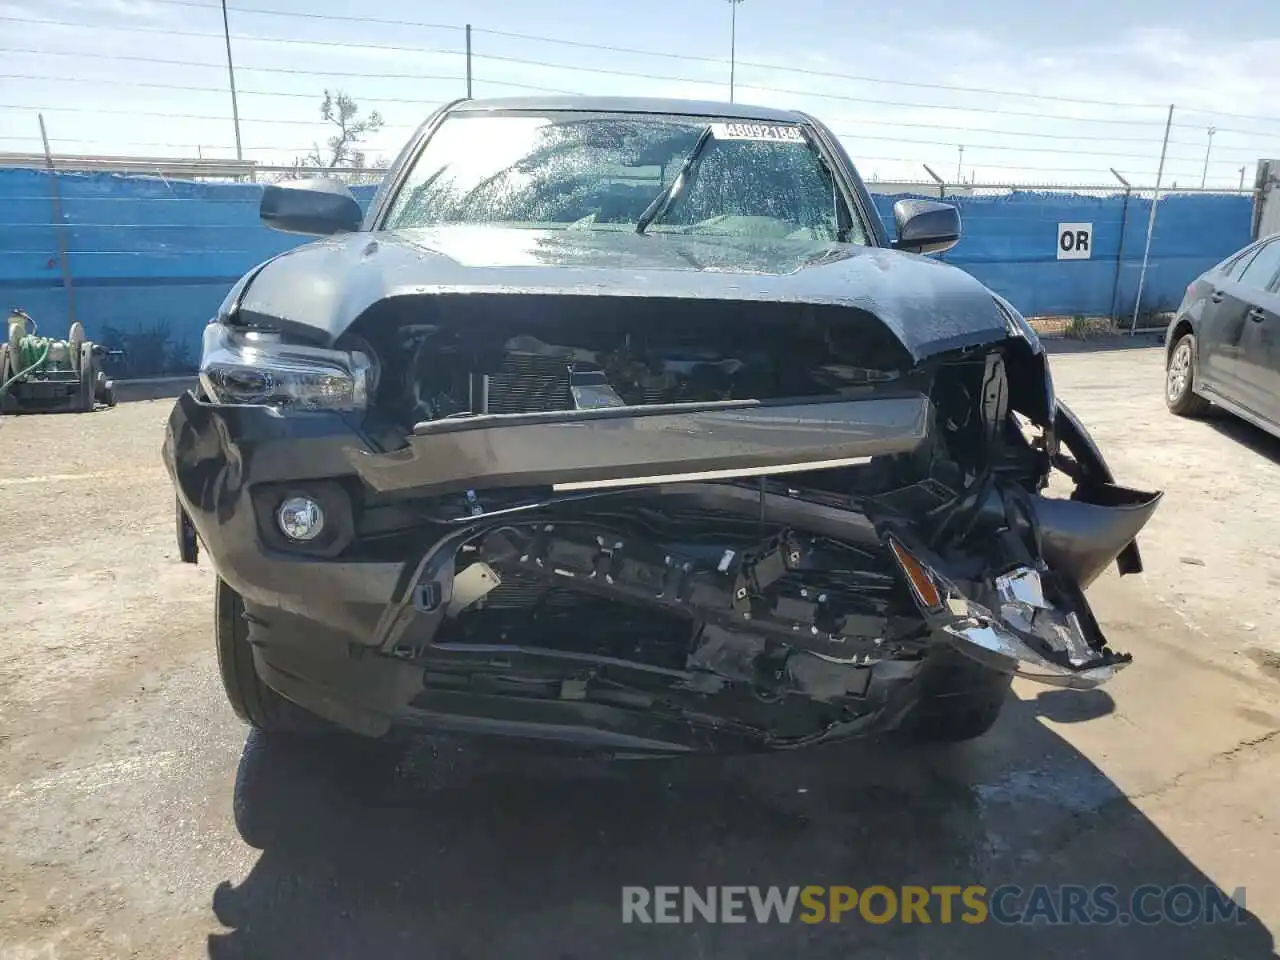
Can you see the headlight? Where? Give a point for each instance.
(255, 367)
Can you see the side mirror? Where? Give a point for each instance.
(316, 207)
(926, 226)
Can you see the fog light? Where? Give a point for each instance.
(300, 518)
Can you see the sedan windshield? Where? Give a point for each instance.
(602, 171)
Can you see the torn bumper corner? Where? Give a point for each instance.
(1017, 630)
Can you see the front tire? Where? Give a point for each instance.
(253, 701)
(1180, 378)
(959, 699)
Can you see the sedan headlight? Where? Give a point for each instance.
(256, 367)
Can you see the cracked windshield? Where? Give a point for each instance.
(573, 172)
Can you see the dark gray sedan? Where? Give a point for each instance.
(1224, 342)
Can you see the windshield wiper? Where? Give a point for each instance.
(667, 195)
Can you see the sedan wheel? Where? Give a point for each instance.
(1180, 377)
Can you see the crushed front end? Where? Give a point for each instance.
(707, 526)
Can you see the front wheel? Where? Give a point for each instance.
(253, 701)
(959, 699)
(1180, 377)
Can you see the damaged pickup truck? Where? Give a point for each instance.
(622, 424)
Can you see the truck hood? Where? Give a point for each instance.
(323, 287)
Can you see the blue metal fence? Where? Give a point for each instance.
(151, 258)
(1010, 244)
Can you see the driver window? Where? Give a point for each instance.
(1261, 270)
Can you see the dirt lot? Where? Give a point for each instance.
(123, 773)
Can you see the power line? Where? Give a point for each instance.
(275, 93)
(812, 93)
(312, 16)
(561, 66)
(157, 143)
(860, 160)
(862, 78)
(1223, 113)
(851, 136)
(444, 77)
(969, 144)
(693, 58)
(1107, 138)
(128, 58)
(1243, 133)
(243, 38)
(594, 70)
(218, 90)
(185, 116)
(606, 71)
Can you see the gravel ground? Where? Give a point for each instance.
(124, 774)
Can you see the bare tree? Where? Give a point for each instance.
(343, 147)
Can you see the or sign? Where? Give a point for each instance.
(1075, 241)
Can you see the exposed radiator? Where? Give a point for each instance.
(531, 383)
(526, 384)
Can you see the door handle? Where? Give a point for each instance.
(1217, 296)
(1257, 314)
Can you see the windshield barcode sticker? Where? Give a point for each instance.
(776, 132)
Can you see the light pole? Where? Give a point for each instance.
(1205, 172)
(960, 165)
(733, 42)
(231, 75)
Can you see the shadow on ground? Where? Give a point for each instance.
(448, 851)
(1246, 434)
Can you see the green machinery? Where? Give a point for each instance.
(43, 375)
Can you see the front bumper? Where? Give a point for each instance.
(333, 622)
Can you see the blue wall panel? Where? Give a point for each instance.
(1009, 243)
(152, 258)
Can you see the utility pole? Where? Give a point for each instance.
(733, 42)
(468, 61)
(1242, 178)
(960, 164)
(1205, 172)
(231, 75)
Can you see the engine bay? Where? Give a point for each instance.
(787, 581)
(449, 356)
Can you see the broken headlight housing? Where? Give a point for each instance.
(250, 366)
(1017, 326)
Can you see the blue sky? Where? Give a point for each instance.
(101, 92)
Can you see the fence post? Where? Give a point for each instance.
(942, 184)
(468, 61)
(1124, 228)
(1151, 224)
(59, 225)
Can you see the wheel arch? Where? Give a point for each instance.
(1180, 329)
